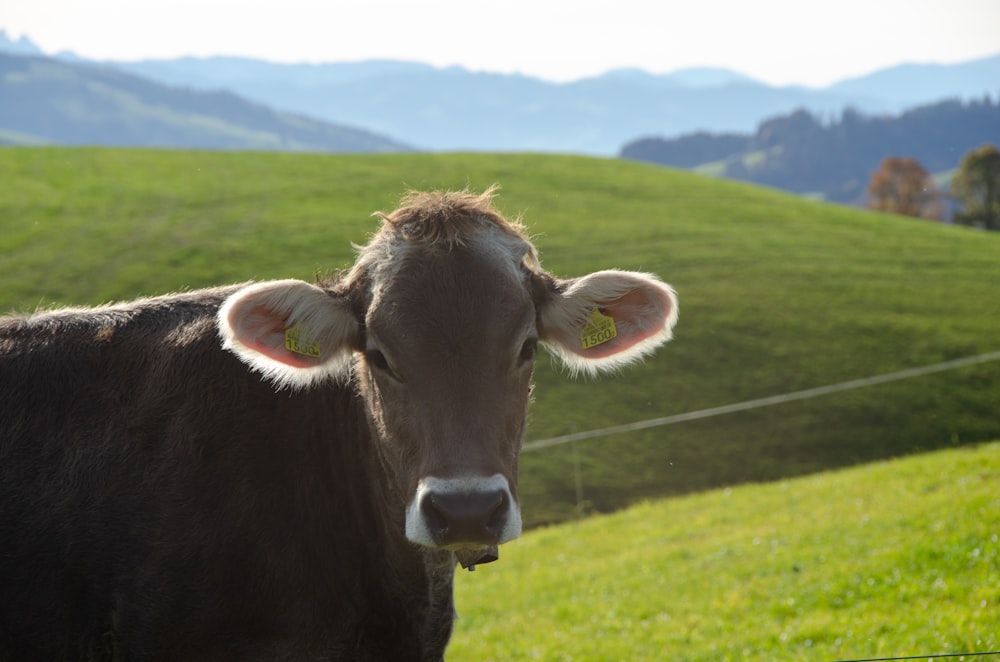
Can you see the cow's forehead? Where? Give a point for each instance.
(474, 290)
(494, 248)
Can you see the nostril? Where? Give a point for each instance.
(434, 517)
(499, 516)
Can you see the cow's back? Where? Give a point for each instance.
(151, 487)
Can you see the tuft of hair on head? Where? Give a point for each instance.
(441, 221)
(447, 217)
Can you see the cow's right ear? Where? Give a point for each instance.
(293, 333)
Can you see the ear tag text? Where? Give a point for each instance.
(597, 330)
(295, 343)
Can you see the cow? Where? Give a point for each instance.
(284, 470)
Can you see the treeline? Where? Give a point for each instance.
(831, 158)
(902, 186)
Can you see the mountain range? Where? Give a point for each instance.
(50, 101)
(456, 109)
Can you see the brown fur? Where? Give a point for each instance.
(159, 502)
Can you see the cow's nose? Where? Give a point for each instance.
(463, 512)
(465, 518)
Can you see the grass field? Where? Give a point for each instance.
(891, 559)
(777, 294)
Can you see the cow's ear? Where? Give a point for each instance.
(295, 334)
(600, 322)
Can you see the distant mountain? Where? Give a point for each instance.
(697, 77)
(709, 77)
(913, 84)
(49, 101)
(20, 46)
(455, 109)
(801, 153)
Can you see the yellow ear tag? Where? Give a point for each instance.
(294, 343)
(597, 330)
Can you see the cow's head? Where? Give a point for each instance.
(438, 321)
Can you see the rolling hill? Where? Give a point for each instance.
(894, 559)
(777, 294)
(49, 101)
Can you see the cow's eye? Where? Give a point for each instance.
(528, 350)
(377, 360)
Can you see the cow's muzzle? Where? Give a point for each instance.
(463, 513)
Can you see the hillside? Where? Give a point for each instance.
(893, 559)
(834, 160)
(456, 109)
(777, 294)
(48, 101)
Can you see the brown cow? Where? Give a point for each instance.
(303, 489)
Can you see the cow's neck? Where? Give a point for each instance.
(398, 567)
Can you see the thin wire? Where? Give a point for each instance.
(921, 657)
(778, 399)
(762, 402)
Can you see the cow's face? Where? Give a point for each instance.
(450, 339)
(439, 322)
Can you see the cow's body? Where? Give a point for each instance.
(220, 514)
(160, 500)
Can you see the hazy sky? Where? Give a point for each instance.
(777, 41)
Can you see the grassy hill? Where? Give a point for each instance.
(892, 559)
(777, 294)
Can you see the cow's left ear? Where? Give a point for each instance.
(603, 321)
(295, 334)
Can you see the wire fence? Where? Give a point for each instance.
(747, 405)
(933, 656)
(758, 403)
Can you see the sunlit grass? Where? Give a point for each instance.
(896, 558)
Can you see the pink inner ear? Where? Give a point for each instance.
(263, 331)
(631, 315)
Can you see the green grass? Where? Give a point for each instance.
(777, 294)
(891, 559)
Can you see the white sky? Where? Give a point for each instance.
(777, 41)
